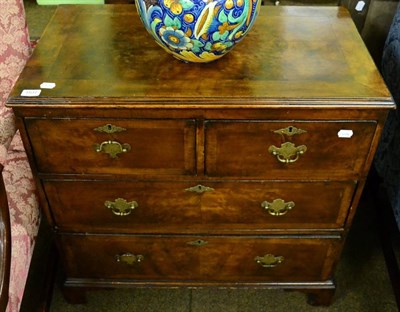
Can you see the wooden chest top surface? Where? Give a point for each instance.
(103, 54)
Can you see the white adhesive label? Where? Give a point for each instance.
(345, 134)
(31, 92)
(360, 6)
(47, 85)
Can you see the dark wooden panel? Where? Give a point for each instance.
(156, 146)
(291, 52)
(236, 148)
(174, 258)
(169, 207)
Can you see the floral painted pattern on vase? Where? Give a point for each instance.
(198, 30)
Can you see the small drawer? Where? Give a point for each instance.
(279, 150)
(91, 146)
(151, 207)
(198, 258)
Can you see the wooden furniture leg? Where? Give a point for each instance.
(320, 297)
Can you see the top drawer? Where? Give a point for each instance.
(97, 146)
(280, 150)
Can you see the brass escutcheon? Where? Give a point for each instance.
(121, 207)
(109, 128)
(197, 243)
(278, 207)
(288, 152)
(129, 258)
(269, 260)
(199, 189)
(290, 131)
(112, 148)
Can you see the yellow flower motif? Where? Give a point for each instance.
(223, 27)
(218, 46)
(174, 5)
(202, 58)
(238, 34)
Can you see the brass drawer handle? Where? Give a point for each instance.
(278, 207)
(121, 207)
(269, 261)
(112, 148)
(129, 258)
(199, 189)
(288, 152)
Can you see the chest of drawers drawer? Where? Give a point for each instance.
(113, 146)
(287, 149)
(193, 258)
(127, 206)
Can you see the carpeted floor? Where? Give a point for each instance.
(362, 280)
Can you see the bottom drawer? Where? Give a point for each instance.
(198, 258)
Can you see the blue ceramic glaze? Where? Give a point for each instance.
(196, 30)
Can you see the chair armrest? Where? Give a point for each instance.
(7, 131)
(5, 245)
(13, 55)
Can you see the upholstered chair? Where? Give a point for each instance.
(387, 158)
(21, 204)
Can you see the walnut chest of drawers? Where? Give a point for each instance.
(242, 172)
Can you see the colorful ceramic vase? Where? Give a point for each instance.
(198, 30)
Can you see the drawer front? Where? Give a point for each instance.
(113, 146)
(128, 206)
(299, 150)
(187, 258)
